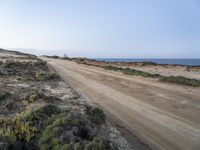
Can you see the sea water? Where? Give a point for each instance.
(190, 62)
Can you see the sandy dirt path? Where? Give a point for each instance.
(164, 116)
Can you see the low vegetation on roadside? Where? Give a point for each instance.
(129, 71)
(135, 72)
(181, 80)
(74, 132)
(28, 70)
(54, 129)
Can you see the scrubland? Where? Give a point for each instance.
(39, 110)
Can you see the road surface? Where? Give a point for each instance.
(164, 116)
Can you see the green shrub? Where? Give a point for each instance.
(97, 144)
(40, 116)
(129, 71)
(145, 63)
(51, 137)
(181, 80)
(18, 129)
(30, 58)
(14, 64)
(135, 72)
(44, 76)
(96, 115)
(41, 76)
(25, 127)
(71, 132)
(113, 68)
(33, 96)
(41, 65)
(26, 69)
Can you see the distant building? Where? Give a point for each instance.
(65, 55)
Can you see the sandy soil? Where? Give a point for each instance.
(170, 71)
(164, 116)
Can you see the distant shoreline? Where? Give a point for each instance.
(159, 61)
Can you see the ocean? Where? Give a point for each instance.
(189, 62)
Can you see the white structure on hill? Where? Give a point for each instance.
(65, 55)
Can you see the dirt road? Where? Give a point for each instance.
(164, 116)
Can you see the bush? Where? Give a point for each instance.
(52, 135)
(18, 129)
(24, 68)
(40, 116)
(129, 71)
(30, 57)
(113, 68)
(181, 80)
(73, 132)
(96, 115)
(33, 96)
(15, 64)
(97, 144)
(23, 131)
(44, 76)
(145, 63)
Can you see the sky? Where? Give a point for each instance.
(102, 28)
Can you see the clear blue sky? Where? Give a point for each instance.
(103, 28)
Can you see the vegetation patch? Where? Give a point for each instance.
(72, 132)
(40, 116)
(18, 68)
(32, 96)
(181, 80)
(172, 79)
(146, 63)
(28, 70)
(96, 115)
(16, 133)
(30, 57)
(45, 76)
(34, 65)
(129, 71)
(22, 130)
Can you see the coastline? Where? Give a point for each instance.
(157, 61)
